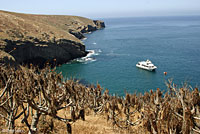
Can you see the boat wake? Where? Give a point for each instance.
(112, 53)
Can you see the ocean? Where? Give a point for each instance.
(171, 43)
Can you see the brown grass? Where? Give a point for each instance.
(94, 124)
(17, 26)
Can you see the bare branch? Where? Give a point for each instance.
(178, 115)
(4, 117)
(134, 123)
(70, 104)
(6, 101)
(197, 118)
(63, 119)
(197, 131)
(5, 88)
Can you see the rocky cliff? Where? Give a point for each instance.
(39, 39)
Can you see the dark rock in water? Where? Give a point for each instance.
(91, 28)
(99, 24)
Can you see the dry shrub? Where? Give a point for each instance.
(46, 104)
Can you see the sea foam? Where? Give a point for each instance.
(89, 57)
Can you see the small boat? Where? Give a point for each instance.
(147, 65)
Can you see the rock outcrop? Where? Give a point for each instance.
(6, 58)
(99, 24)
(39, 39)
(41, 52)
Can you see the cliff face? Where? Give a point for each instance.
(39, 39)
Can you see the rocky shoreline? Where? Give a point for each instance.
(41, 39)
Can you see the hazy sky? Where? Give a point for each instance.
(104, 8)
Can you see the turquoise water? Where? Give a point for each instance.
(171, 43)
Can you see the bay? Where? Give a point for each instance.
(171, 43)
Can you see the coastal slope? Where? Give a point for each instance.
(39, 39)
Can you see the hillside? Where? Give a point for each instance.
(41, 38)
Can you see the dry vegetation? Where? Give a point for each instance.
(39, 101)
(18, 26)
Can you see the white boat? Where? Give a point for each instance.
(147, 65)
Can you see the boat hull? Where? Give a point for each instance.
(146, 68)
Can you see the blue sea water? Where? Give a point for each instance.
(171, 43)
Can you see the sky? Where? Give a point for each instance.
(104, 8)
